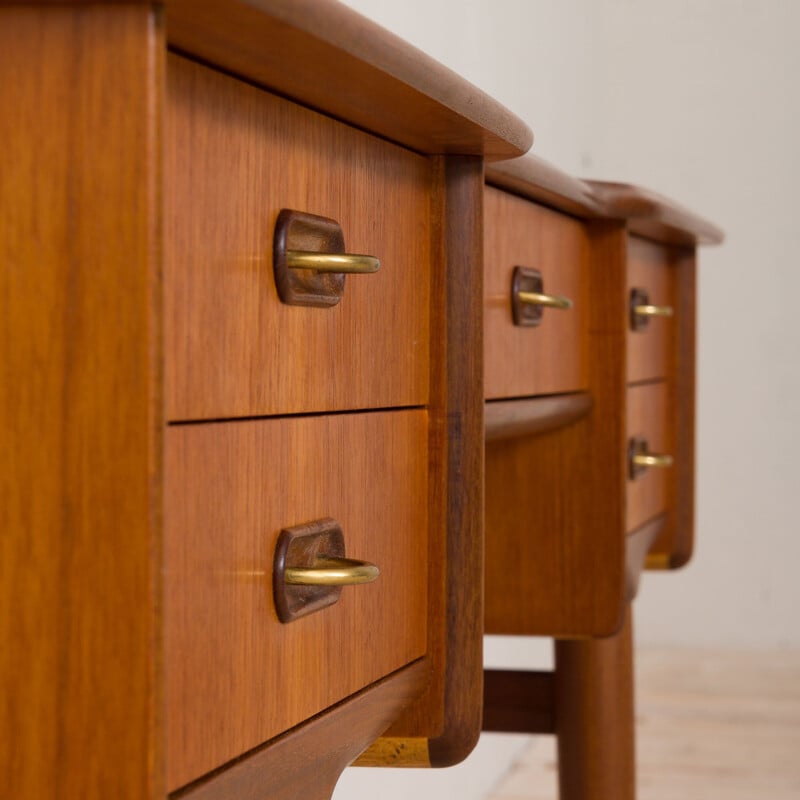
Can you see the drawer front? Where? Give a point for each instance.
(236, 676)
(648, 412)
(651, 346)
(551, 356)
(236, 156)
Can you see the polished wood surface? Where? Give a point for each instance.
(307, 761)
(649, 416)
(551, 357)
(654, 216)
(666, 348)
(326, 56)
(553, 563)
(637, 547)
(555, 509)
(449, 713)
(595, 717)
(236, 676)
(80, 402)
(234, 157)
(516, 701)
(652, 268)
(678, 537)
(536, 179)
(507, 419)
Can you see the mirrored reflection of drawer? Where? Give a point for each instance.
(550, 356)
(235, 157)
(648, 493)
(651, 290)
(236, 676)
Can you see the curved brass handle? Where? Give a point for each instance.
(332, 262)
(647, 310)
(640, 459)
(329, 571)
(547, 300)
(652, 460)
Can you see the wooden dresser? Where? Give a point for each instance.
(589, 313)
(249, 264)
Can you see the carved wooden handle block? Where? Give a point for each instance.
(310, 262)
(310, 569)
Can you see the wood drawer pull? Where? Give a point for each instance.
(332, 572)
(528, 299)
(642, 309)
(310, 262)
(349, 263)
(640, 459)
(310, 569)
(546, 300)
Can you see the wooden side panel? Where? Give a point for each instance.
(235, 156)
(552, 356)
(649, 416)
(308, 761)
(555, 513)
(651, 268)
(80, 402)
(675, 545)
(448, 715)
(236, 676)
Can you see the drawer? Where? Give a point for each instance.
(236, 676)
(551, 356)
(651, 282)
(648, 418)
(234, 157)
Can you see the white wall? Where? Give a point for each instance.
(700, 99)
(697, 99)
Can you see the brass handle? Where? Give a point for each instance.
(548, 300)
(328, 571)
(647, 310)
(652, 460)
(640, 459)
(332, 262)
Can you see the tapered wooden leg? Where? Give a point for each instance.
(595, 717)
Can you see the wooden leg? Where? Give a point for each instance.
(595, 717)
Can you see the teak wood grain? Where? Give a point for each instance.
(649, 413)
(551, 357)
(326, 56)
(443, 726)
(595, 717)
(638, 544)
(309, 759)
(516, 701)
(678, 538)
(235, 156)
(80, 401)
(652, 268)
(654, 216)
(555, 551)
(675, 544)
(535, 179)
(236, 676)
(507, 419)
(666, 348)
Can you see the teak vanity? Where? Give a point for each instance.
(281, 309)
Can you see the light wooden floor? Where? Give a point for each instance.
(709, 725)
